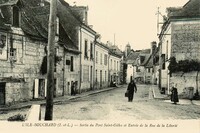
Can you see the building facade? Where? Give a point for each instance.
(101, 65)
(180, 41)
(24, 52)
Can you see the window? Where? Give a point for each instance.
(2, 41)
(117, 65)
(86, 49)
(142, 58)
(101, 60)
(72, 64)
(13, 53)
(96, 75)
(55, 64)
(163, 61)
(96, 56)
(105, 59)
(166, 50)
(16, 16)
(105, 75)
(137, 69)
(91, 50)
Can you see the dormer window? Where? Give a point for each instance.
(16, 16)
(2, 41)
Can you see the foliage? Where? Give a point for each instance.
(17, 117)
(183, 65)
(43, 68)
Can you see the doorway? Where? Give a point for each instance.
(2, 93)
(91, 78)
(101, 79)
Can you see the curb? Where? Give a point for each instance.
(154, 95)
(28, 105)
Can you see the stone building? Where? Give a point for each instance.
(24, 34)
(139, 70)
(130, 60)
(150, 76)
(115, 61)
(179, 39)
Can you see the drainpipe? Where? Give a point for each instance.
(94, 57)
(80, 74)
(160, 65)
(63, 72)
(108, 68)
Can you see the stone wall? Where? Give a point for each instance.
(185, 45)
(186, 40)
(19, 74)
(185, 80)
(71, 75)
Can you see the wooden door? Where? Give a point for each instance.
(2, 93)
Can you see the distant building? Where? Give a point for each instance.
(101, 65)
(130, 60)
(115, 62)
(139, 66)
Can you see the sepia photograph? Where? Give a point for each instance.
(111, 65)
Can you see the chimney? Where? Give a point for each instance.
(153, 47)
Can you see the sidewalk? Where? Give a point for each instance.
(156, 92)
(57, 100)
(157, 95)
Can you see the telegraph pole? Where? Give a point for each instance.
(50, 60)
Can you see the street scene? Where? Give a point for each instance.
(111, 105)
(86, 60)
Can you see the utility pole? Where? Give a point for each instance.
(114, 39)
(50, 60)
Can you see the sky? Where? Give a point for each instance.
(126, 21)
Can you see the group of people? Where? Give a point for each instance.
(132, 88)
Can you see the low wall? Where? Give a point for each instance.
(185, 80)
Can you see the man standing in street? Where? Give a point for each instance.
(131, 89)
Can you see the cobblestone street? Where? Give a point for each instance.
(113, 105)
(110, 105)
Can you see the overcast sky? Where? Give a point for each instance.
(130, 21)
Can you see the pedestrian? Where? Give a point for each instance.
(174, 95)
(131, 89)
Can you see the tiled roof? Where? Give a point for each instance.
(113, 49)
(130, 59)
(34, 20)
(146, 59)
(149, 63)
(189, 10)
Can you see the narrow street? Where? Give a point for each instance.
(113, 105)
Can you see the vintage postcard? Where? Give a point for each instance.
(100, 66)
